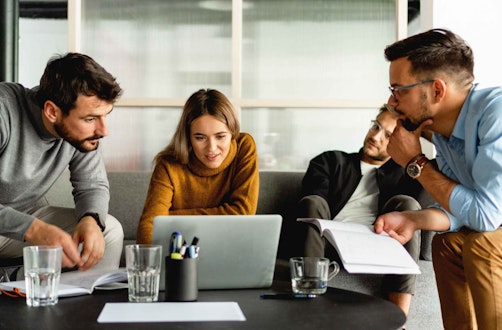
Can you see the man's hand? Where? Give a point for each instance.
(402, 225)
(403, 144)
(89, 233)
(399, 225)
(42, 233)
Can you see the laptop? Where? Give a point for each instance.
(235, 251)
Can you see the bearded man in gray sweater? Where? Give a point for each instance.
(43, 132)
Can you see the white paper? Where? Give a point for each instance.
(363, 251)
(170, 312)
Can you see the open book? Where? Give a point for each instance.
(361, 250)
(76, 283)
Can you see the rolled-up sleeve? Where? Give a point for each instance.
(476, 202)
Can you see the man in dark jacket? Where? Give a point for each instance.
(357, 187)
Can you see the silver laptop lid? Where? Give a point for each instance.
(236, 251)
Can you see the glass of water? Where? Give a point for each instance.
(143, 271)
(42, 270)
(310, 275)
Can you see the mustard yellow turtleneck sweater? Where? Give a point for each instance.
(194, 189)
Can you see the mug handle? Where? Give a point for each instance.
(336, 269)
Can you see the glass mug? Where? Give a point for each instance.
(310, 275)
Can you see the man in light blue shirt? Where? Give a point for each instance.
(431, 82)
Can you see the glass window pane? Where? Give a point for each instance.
(159, 48)
(136, 135)
(286, 139)
(39, 40)
(316, 49)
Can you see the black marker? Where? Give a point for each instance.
(287, 296)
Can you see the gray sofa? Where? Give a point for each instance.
(279, 193)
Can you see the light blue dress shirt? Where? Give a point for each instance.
(472, 156)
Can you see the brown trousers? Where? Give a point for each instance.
(468, 267)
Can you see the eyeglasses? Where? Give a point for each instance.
(376, 127)
(395, 90)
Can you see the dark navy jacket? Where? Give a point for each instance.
(334, 175)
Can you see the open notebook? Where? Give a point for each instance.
(362, 250)
(76, 283)
(236, 251)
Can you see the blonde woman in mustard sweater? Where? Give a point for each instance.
(209, 167)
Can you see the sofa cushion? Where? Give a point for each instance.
(127, 197)
(279, 194)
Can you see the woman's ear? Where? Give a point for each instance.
(51, 111)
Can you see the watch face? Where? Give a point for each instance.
(413, 170)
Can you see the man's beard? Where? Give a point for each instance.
(63, 132)
(410, 125)
(379, 156)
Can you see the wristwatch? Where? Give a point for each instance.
(415, 166)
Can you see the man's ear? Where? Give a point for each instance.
(51, 111)
(439, 89)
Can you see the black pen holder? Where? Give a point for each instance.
(181, 279)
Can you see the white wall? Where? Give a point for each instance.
(477, 22)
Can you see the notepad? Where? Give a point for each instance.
(170, 312)
(361, 250)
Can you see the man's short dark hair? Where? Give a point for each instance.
(66, 77)
(433, 52)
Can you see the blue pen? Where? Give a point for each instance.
(176, 242)
(193, 249)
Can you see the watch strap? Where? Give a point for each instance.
(422, 161)
(416, 158)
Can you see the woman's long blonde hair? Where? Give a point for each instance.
(203, 102)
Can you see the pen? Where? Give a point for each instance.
(287, 296)
(176, 256)
(176, 242)
(183, 250)
(193, 249)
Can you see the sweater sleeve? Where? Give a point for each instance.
(14, 223)
(90, 185)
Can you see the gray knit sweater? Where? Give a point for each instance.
(32, 159)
